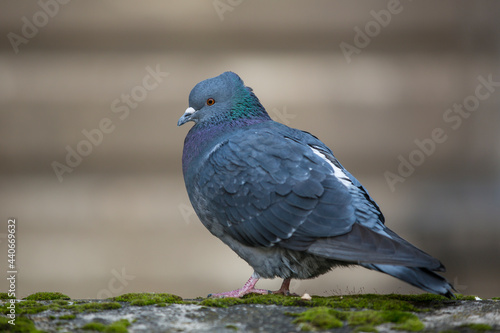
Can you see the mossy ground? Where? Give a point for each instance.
(23, 324)
(5, 296)
(142, 299)
(32, 307)
(119, 326)
(479, 327)
(414, 303)
(66, 317)
(47, 296)
(60, 303)
(360, 312)
(363, 312)
(46, 301)
(364, 320)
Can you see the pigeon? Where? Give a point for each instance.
(279, 198)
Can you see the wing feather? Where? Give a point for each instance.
(271, 188)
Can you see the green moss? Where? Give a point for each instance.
(413, 303)
(67, 317)
(142, 299)
(25, 307)
(222, 302)
(31, 307)
(403, 320)
(461, 297)
(232, 327)
(479, 327)
(366, 320)
(368, 301)
(93, 326)
(321, 317)
(119, 326)
(397, 316)
(496, 298)
(5, 296)
(93, 307)
(46, 296)
(411, 324)
(23, 325)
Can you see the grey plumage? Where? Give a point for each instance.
(280, 199)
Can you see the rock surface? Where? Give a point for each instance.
(168, 313)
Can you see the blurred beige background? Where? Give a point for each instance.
(121, 221)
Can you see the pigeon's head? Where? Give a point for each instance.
(222, 99)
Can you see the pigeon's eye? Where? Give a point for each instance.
(210, 101)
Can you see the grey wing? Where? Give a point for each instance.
(266, 188)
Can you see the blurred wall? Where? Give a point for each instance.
(407, 95)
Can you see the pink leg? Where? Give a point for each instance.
(285, 288)
(248, 288)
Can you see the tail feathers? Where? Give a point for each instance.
(422, 278)
(363, 245)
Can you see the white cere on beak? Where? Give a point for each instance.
(186, 116)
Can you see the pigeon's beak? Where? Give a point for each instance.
(186, 116)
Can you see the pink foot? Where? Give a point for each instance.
(248, 288)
